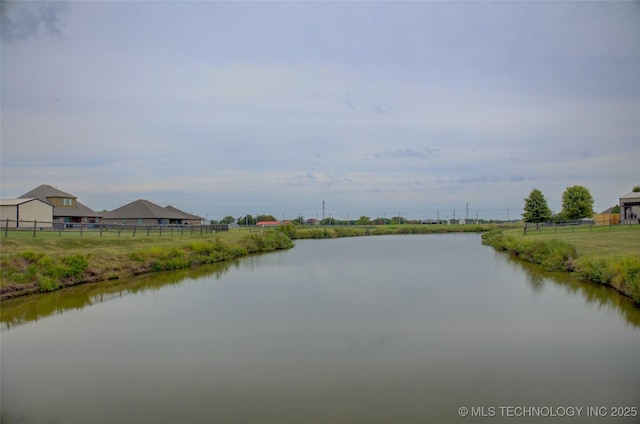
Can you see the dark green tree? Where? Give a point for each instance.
(246, 220)
(364, 220)
(265, 218)
(227, 220)
(577, 203)
(536, 208)
(615, 209)
(636, 189)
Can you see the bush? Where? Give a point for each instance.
(75, 265)
(272, 240)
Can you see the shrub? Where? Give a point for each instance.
(75, 265)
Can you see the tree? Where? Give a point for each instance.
(227, 220)
(615, 209)
(364, 220)
(536, 208)
(265, 218)
(246, 220)
(636, 189)
(577, 203)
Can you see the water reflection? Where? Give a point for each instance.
(593, 294)
(31, 308)
(388, 329)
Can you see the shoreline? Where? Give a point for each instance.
(43, 272)
(621, 274)
(33, 267)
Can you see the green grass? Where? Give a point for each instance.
(48, 263)
(603, 242)
(320, 232)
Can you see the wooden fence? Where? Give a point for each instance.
(11, 228)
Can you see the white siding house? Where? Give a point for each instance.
(26, 210)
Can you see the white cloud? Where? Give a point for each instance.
(430, 111)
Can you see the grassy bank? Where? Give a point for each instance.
(610, 257)
(379, 230)
(39, 265)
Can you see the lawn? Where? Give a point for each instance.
(601, 242)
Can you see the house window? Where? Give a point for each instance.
(67, 202)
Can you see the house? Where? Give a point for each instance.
(66, 208)
(630, 208)
(267, 223)
(312, 221)
(13, 211)
(189, 219)
(144, 212)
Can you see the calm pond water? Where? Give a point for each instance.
(392, 329)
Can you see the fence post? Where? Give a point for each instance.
(134, 230)
(6, 229)
(148, 229)
(35, 222)
(81, 225)
(100, 229)
(119, 229)
(160, 230)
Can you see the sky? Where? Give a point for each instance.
(422, 109)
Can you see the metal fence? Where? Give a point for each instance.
(13, 228)
(577, 225)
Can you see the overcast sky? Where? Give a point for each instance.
(228, 108)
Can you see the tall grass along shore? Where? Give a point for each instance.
(608, 256)
(40, 265)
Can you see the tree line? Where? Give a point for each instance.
(577, 203)
(363, 220)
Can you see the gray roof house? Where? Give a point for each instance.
(144, 212)
(189, 218)
(66, 208)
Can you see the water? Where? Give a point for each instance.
(393, 329)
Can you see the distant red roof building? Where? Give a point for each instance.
(267, 223)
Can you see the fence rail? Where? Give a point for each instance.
(11, 228)
(571, 226)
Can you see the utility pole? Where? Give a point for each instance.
(467, 218)
(323, 210)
